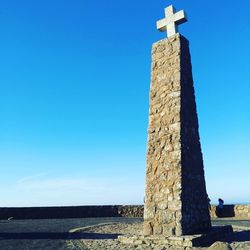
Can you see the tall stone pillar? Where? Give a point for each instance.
(176, 197)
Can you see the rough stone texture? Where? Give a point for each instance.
(130, 211)
(242, 211)
(220, 246)
(236, 211)
(176, 197)
(196, 240)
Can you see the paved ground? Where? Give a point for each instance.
(231, 221)
(55, 233)
(45, 234)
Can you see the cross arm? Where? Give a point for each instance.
(161, 25)
(180, 17)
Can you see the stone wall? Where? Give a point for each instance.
(130, 211)
(176, 197)
(70, 212)
(241, 211)
(237, 211)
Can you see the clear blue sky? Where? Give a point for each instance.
(74, 85)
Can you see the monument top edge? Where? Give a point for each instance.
(171, 39)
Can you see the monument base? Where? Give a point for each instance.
(216, 233)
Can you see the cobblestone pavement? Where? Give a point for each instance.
(47, 234)
(64, 234)
(231, 221)
(240, 240)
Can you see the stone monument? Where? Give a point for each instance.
(176, 209)
(176, 201)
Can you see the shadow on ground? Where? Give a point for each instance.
(57, 236)
(238, 237)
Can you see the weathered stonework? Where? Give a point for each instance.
(176, 197)
(214, 234)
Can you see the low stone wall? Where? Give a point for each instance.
(238, 211)
(130, 211)
(242, 211)
(70, 212)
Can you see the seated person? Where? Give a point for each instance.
(219, 208)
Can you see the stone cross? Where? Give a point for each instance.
(171, 21)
